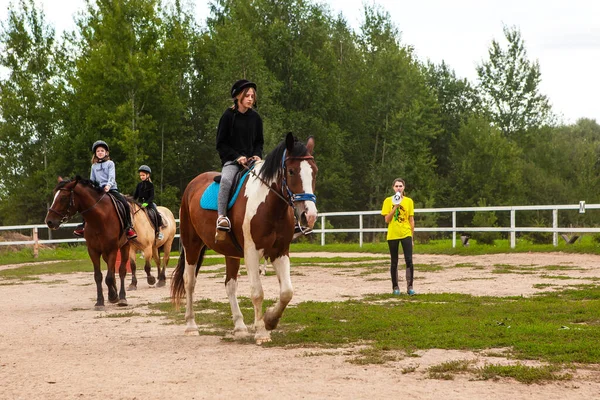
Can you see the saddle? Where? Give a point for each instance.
(157, 220)
(117, 202)
(211, 194)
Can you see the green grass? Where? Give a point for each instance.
(556, 327)
(61, 267)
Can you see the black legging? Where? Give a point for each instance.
(123, 201)
(407, 249)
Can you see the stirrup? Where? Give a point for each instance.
(223, 224)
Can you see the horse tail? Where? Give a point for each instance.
(177, 282)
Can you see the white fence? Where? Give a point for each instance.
(512, 229)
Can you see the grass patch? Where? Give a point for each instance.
(62, 267)
(448, 369)
(532, 327)
(523, 373)
(126, 314)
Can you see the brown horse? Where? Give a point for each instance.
(150, 246)
(103, 233)
(262, 226)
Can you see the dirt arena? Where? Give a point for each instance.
(53, 345)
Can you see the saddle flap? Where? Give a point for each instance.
(119, 207)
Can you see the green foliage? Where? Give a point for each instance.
(485, 219)
(509, 84)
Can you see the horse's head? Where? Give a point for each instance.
(63, 205)
(300, 176)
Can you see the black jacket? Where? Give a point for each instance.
(239, 135)
(144, 192)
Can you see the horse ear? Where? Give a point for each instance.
(310, 145)
(60, 179)
(289, 142)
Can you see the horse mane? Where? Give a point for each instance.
(81, 181)
(272, 163)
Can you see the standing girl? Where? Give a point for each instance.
(103, 173)
(239, 140)
(144, 193)
(399, 212)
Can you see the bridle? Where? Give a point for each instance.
(292, 197)
(68, 214)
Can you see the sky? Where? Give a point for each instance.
(563, 36)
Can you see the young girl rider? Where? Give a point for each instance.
(144, 193)
(239, 140)
(103, 173)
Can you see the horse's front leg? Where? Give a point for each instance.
(286, 291)
(148, 266)
(95, 257)
(110, 279)
(123, 273)
(252, 259)
(133, 266)
(231, 272)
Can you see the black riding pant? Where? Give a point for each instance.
(407, 249)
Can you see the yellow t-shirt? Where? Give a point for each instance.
(399, 226)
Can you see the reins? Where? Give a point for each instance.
(66, 215)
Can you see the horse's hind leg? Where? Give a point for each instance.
(286, 291)
(162, 273)
(232, 268)
(110, 279)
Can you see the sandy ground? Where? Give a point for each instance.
(53, 345)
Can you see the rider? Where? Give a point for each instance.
(239, 141)
(144, 193)
(103, 173)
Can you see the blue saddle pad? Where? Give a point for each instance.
(211, 194)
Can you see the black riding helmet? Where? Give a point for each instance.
(99, 143)
(241, 85)
(144, 168)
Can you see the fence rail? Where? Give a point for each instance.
(361, 230)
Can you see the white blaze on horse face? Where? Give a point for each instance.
(309, 207)
(55, 197)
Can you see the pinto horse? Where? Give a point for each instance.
(150, 246)
(103, 233)
(262, 221)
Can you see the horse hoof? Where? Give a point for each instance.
(261, 340)
(122, 302)
(98, 308)
(113, 301)
(151, 280)
(192, 332)
(131, 287)
(161, 283)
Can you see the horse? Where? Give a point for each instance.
(262, 226)
(103, 233)
(149, 245)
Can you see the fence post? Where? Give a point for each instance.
(513, 234)
(36, 245)
(555, 227)
(360, 226)
(453, 229)
(322, 230)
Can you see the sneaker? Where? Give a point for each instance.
(223, 224)
(131, 234)
(78, 232)
(160, 236)
(396, 292)
(411, 292)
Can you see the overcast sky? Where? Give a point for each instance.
(564, 36)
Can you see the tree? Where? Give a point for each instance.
(29, 99)
(509, 86)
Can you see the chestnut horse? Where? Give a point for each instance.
(149, 245)
(103, 233)
(262, 221)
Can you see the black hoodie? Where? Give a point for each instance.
(239, 135)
